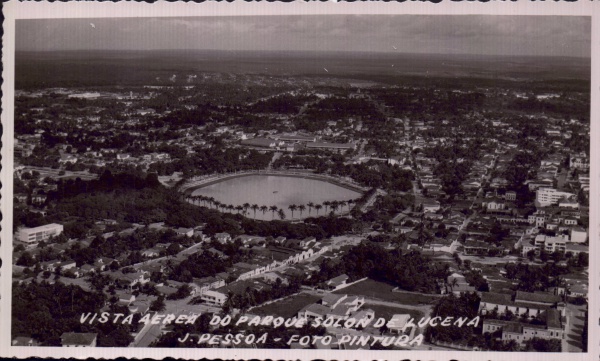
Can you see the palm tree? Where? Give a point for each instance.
(263, 209)
(254, 208)
(318, 207)
(239, 208)
(334, 206)
(292, 207)
(273, 209)
(310, 207)
(211, 201)
(342, 204)
(217, 204)
(302, 208)
(350, 203)
(326, 204)
(230, 208)
(246, 206)
(230, 303)
(281, 214)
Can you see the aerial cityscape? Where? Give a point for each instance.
(247, 194)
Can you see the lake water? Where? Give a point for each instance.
(280, 191)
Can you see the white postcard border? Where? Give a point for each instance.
(16, 10)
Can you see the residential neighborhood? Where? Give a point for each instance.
(427, 210)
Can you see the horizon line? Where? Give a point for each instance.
(304, 51)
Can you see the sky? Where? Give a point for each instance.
(442, 34)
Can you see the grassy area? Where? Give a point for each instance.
(387, 312)
(288, 307)
(383, 291)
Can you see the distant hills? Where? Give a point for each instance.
(107, 68)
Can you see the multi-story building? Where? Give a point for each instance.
(550, 244)
(550, 196)
(521, 332)
(579, 161)
(38, 234)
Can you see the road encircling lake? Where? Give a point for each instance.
(280, 191)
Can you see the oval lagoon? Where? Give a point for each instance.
(280, 191)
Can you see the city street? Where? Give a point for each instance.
(573, 328)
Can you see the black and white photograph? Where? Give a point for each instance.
(395, 182)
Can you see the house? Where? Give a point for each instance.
(578, 290)
(457, 284)
(24, 341)
(337, 282)
(491, 325)
(128, 280)
(398, 323)
(576, 249)
(545, 299)
(216, 297)
(578, 235)
(522, 332)
(151, 252)
(313, 311)
(77, 339)
(223, 237)
(86, 268)
(476, 248)
(103, 262)
(510, 196)
(522, 303)
(430, 205)
(188, 232)
(206, 283)
(66, 265)
(67, 158)
(272, 277)
(494, 204)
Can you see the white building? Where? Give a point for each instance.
(37, 234)
(549, 196)
(430, 205)
(579, 161)
(214, 297)
(578, 235)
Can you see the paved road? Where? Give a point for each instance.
(188, 251)
(372, 199)
(573, 328)
(493, 260)
(151, 333)
(53, 173)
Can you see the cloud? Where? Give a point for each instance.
(486, 34)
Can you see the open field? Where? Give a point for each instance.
(288, 307)
(382, 291)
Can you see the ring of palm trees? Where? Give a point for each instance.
(211, 202)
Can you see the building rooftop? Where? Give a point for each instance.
(536, 297)
(78, 339)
